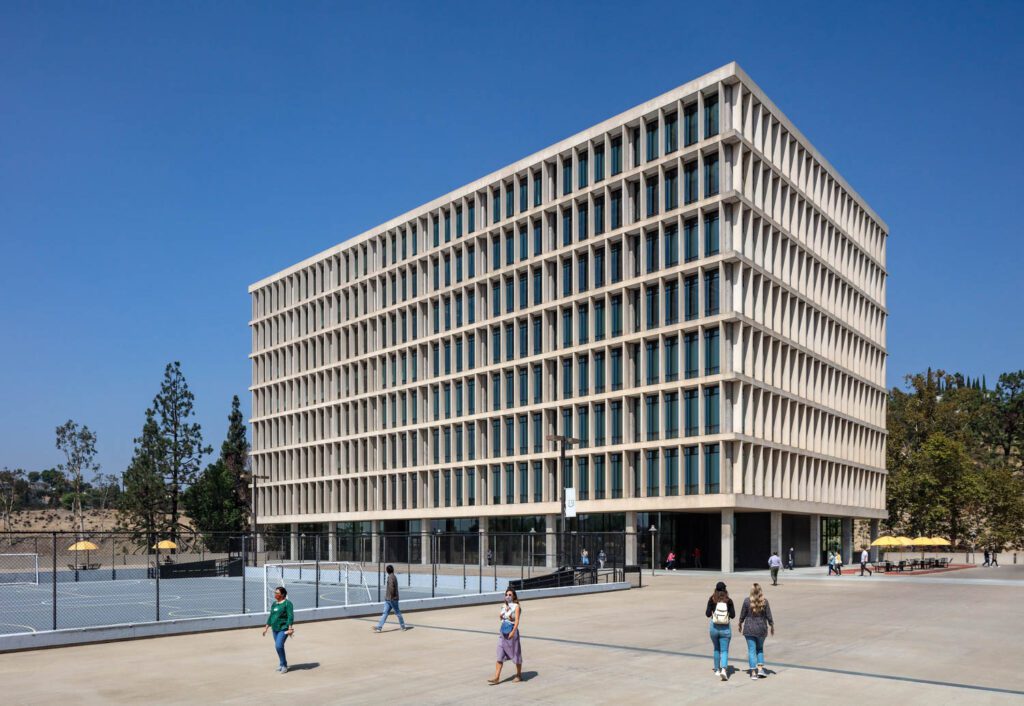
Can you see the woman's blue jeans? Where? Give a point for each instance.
(720, 637)
(755, 651)
(279, 637)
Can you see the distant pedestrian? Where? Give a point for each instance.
(391, 601)
(755, 624)
(585, 557)
(490, 557)
(987, 558)
(509, 647)
(831, 563)
(601, 559)
(696, 558)
(280, 620)
(790, 562)
(721, 611)
(995, 558)
(839, 562)
(864, 559)
(670, 561)
(774, 564)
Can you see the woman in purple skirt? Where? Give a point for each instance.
(508, 638)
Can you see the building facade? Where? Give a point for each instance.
(688, 289)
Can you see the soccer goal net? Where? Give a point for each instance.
(342, 574)
(20, 569)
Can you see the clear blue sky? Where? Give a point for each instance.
(157, 158)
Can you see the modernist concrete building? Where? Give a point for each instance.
(688, 288)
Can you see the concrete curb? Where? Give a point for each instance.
(183, 626)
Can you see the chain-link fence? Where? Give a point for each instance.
(69, 580)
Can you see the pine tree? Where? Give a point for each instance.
(142, 507)
(182, 440)
(216, 501)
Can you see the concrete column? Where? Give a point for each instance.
(846, 539)
(631, 538)
(776, 533)
(485, 541)
(294, 547)
(815, 540)
(728, 522)
(551, 538)
(424, 541)
(873, 553)
(332, 541)
(375, 541)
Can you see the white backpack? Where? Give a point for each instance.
(721, 614)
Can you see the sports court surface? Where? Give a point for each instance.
(846, 640)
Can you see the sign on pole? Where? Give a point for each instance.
(570, 502)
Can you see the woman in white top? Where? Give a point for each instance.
(508, 637)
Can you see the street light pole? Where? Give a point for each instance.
(564, 442)
(255, 518)
(654, 532)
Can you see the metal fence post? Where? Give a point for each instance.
(158, 585)
(378, 570)
(245, 560)
(317, 591)
(408, 559)
(54, 581)
(495, 562)
(522, 559)
(113, 556)
(463, 562)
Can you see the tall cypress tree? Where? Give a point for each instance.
(216, 502)
(183, 440)
(142, 507)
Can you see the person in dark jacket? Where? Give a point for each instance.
(755, 624)
(280, 620)
(721, 611)
(391, 601)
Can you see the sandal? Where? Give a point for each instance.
(492, 682)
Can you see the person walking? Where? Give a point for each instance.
(987, 557)
(696, 558)
(839, 562)
(721, 611)
(280, 620)
(755, 624)
(831, 563)
(790, 562)
(864, 559)
(670, 561)
(774, 564)
(390, 601)
(585, 557)
(995, 558)
(601, 559)
(509, 647)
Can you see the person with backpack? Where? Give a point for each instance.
(755, 623)
(721, 611)
(831, 563)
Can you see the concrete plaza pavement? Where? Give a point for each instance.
(927, 639)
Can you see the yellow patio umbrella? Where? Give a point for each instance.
(940, 542)
(886, 541)
(83, 545)
(165, 544)
(922, 542)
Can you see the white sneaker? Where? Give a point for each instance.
(761, 673)
(284, 670)
(753, 675)
(724, 674)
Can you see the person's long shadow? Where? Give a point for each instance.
(527, 676)
(303, 666)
